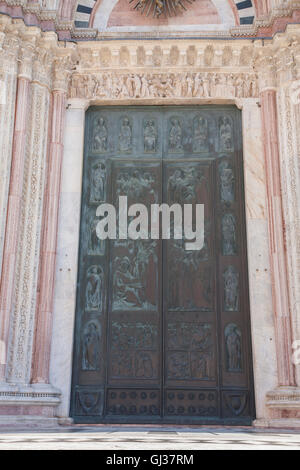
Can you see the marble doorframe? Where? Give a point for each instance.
(261, 309)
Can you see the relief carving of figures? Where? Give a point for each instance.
(226, 134)
(130, 279)
(227, 182)
(200, 140)
(233, 341)
(150, 136)
(91, 346)
(100, 136)
(137, 185)
(125, 136)
(93, 292)
(229, 235)
(231, 289)
(184, 184)
(163, 85)
(190, 282)
(175, 135)
(98, 183)
(129, 357)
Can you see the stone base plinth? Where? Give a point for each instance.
(30, 406)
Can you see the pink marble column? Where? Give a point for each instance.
(13, 215)
(262, 7)
(277, 243)
(41, 357)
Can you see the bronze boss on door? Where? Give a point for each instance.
(162, 334)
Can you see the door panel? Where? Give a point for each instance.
(162, 334)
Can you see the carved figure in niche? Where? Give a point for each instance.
(125, 137)
(95, 245)
(231, 288)
(150, 136)
(229, 234)
(175, 136)
(91, 346)
(233, 341)
(100, 136)
(227, 182)
(144, 367)
(98, 182)
(226, 134)
(93, 293)
(200, 134)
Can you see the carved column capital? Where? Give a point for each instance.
(64, 64)
(26, 56)
(42, 66)
(265, 65)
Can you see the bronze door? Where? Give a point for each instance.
(163, 334)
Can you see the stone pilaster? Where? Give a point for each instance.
(41, 359)
(277, 64)
(9, 45)
(15, 195)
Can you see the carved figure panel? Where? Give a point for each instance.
(231, 289)
(233, 342)
(175, 135)
(201, 136)
(226, 134)
(150, 136)
(91, 346)
(227, 182)
(134, 350)
(100, 136)
(94, 289)
(229, 246)
(125, 136)
(197, 360)
(97, 182)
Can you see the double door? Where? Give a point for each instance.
(162, 333)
